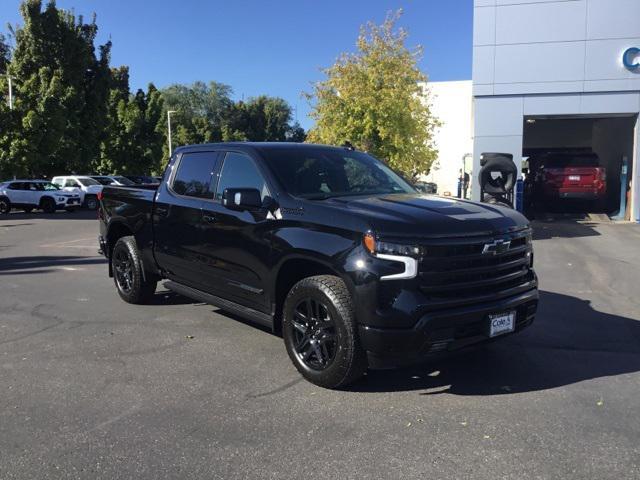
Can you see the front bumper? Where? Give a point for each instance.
(442, 331)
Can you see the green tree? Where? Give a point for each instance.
(134, 136)
(376, 100)
(262, 119)
(5, 54)
(59, 95)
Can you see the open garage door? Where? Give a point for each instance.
(577, 164)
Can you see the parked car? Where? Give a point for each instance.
(426, 187)
(572, 176)
(83, 185)
(328, 246)
(112, 180)
(142, 179)
(31, 194)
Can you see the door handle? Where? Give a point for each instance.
(162, 211)
(209, 218)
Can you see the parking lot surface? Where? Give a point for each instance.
(91, 387)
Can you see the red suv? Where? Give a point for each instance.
(577, 176)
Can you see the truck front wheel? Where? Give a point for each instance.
(320, 332)
(127, 272)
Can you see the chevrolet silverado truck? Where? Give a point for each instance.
(328, 247)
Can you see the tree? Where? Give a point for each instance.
(375, 99)
(60, 95)
(134, 135)
(4, 54)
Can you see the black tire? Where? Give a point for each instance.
(48, 205)
(127, 273)
(331, 325)
(5, 206)
(91, 202)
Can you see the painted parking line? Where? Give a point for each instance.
(68, 242)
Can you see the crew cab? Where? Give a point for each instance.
(572, 176)
(327, 246)
(86, 187)
(28, 195)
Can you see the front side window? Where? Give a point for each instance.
(50, 187)
(239, 171)
(87, 182)
(194, 175)
(321, 173)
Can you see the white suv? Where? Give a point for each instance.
(30, 194)
(83, 185)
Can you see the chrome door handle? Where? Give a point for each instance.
(209, 218)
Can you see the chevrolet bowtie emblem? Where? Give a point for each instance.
(497, 246)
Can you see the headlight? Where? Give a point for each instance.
(375, 246)
(395, 252)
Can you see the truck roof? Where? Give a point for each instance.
(261, 146)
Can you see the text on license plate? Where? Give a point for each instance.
(574, 178)
(502, 323)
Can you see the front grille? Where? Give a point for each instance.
(457, 271)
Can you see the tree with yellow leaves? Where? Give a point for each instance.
(376, 99)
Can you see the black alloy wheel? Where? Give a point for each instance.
(321, 334)
(91, 202)
(48, 205)
(132, 284)
(315, 334)
(5, 206)
(123, 270)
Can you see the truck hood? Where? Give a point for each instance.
(410, 215)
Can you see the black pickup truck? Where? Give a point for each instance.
(327, 246)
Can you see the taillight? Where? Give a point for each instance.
(99, 195)
(602, 174)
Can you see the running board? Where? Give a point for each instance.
(240, 310)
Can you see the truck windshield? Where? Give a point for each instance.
(321, 173)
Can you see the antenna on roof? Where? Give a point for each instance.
(348, 146)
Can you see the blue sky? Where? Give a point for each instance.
(271, 47)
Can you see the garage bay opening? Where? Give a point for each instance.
(578, 165)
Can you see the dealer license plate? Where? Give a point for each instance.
(501, 323)
(574, 178)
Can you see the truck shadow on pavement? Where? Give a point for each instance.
(569, 342)
(45, 264)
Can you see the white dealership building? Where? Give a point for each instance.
(550, 75)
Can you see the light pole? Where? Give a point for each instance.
(9, 79)
(169, 112)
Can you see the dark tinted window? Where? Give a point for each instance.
(16, 186)
(566, 161)
(324, 173)
(239, 171)
(194, 175)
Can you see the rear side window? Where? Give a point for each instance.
(194, 175)
(239, 171)
(16, 186)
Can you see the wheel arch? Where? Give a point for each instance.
(290, 271)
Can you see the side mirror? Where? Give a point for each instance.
(241, 198)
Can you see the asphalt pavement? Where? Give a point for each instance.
(91, 387)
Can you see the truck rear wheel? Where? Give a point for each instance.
(320, 332)
(127, 273)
